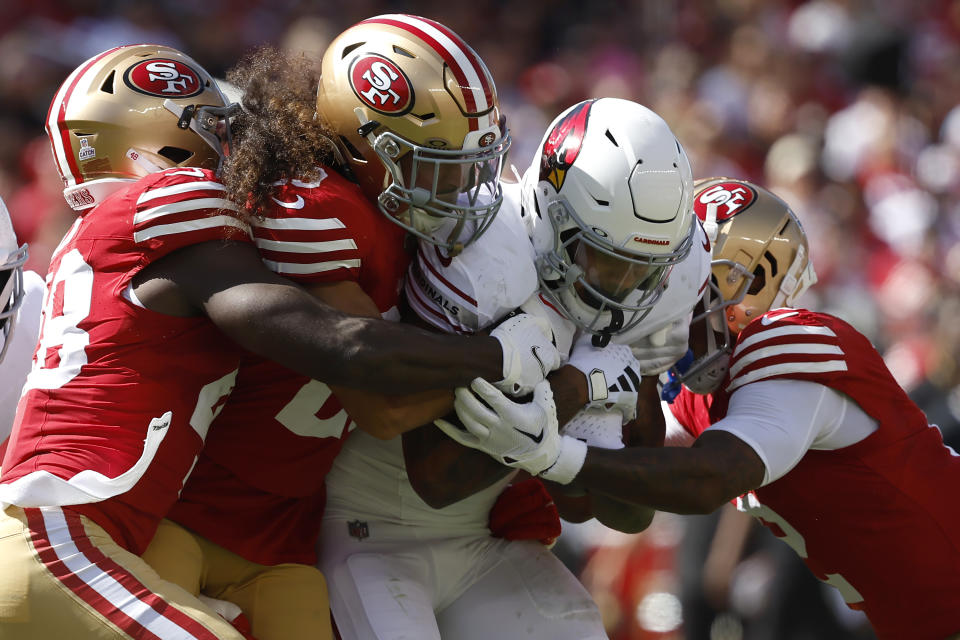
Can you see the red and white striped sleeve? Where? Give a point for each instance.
(316, 232)
(786, 343)
(182, 207)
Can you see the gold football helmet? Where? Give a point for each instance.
(131, 111)
(760, 256)
(417, 120)
(761, 261)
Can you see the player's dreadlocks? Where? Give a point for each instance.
(277, 136)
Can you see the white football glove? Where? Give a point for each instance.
(660, 350)
(529, 353)
(613, 375)
(523, 435)
(597, 427)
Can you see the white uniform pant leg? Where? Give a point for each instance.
(527, 594)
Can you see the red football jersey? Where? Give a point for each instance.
(120, 398)
(258, 489)
(875, 519)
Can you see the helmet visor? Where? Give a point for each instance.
(616, 275)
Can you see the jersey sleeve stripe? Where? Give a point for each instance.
(790, 330)
(301, 224)
(188, 226)
(313, 267)
(198, 204)
(177, 189)
(787, 368)
(802, 348)
(305, 247)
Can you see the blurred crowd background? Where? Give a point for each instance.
(848, 109)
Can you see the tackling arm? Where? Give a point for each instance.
(276, 319)
(717, 468)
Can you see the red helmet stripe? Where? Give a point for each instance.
(64, 155)
(478, 66)
(461, 59)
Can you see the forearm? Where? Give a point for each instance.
(620, 515)
(443, 472)
(386, 417)
(569, 387)
(678, 480)
(287, 325)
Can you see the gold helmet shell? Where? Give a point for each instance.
(417, 120)
(761, 258)
(130, 111)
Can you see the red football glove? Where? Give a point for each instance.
(525, 511)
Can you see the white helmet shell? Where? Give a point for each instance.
(610, 196)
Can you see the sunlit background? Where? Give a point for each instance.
(845, 108)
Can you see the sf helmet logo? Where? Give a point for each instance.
(163, 78)
(563, 145)
(731, 198)
(381, 85)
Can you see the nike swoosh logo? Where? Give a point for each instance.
(543, 369)
(537, 439)
(768, 319)
(296, 204)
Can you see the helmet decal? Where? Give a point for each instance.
(381, 84)
(731, 198)
(163, 78)
(469, 71)
(563, 144)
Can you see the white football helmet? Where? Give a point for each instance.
(12, 258)
(610, 199)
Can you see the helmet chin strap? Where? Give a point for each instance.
(602, 338)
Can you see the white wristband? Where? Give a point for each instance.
(572, 454)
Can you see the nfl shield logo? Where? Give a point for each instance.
(358, 529)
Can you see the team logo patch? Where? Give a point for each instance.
(487, 139)
(563, 145)
(86, 152)
(731, 198)
(163, 78)
(358, 529)
(381, 85)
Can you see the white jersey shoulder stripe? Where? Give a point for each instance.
(799, 348)
(300, 224)
(314, 267)
(176, 189)
(779, 332)
(786, 369)
(306, 247)
(189, 225)
(198, 204)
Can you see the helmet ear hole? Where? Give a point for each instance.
(107, 86)
(175, 155)
(759, 280)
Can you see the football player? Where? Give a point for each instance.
(150, 297)
(20, 295)
(256, 496)
(405, 541)
(800, 422)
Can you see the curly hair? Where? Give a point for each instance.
(276, 137)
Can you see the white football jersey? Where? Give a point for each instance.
(16, 363)
(492, 277)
